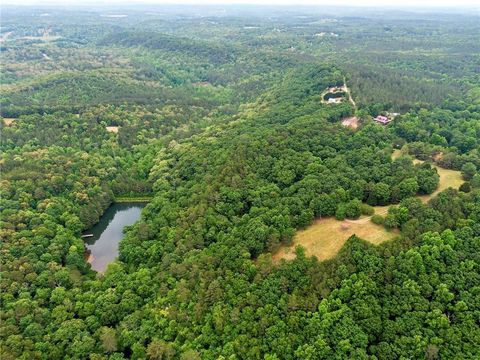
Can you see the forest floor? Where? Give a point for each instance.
(326, 236)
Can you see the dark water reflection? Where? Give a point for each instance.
(102, 248)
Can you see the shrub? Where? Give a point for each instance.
(475, 182)
(353, 209)
(465, 187)
(468, 171)
(340, 213)
(367, 209)
(390, 221)
(377, 219)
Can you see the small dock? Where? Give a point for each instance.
(87, 235)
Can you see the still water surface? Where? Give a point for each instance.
(102, 248)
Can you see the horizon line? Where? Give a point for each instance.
(237, 3)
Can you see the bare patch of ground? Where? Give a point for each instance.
(8, 121)
(438, 157)
(112, 129)
(351, 122)
(396, 154)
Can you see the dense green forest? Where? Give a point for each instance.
(216, 115)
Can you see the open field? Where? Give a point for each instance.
(325, 237)
(448, 178)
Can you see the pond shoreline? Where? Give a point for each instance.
(102, 247)
(126, 200)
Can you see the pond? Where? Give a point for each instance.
(102, 247)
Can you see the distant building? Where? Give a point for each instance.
(392, 115)
(382, 119)
(335, 100)
(334, 94)
(335, 89)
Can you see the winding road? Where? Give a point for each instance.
(347, 90)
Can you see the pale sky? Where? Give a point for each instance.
(379, 3)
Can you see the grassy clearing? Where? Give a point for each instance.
(396, 154)
(448, 178)
(8, 121)
(325, 237)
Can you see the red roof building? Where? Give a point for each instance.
(382, 119)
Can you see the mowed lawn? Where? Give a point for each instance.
(325, 237)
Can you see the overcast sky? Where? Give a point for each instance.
(417, 3)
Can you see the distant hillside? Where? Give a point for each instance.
(214, 53)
